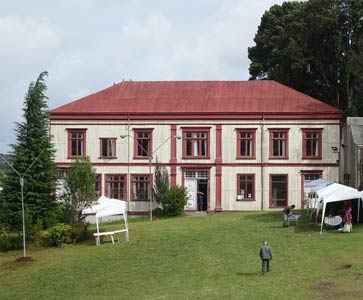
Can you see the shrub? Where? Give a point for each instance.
(60, 234)
(174, 201)
(36, 234)
(80, 232)
(9, 241)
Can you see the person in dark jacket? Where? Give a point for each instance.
(266, 256)
(286, 213)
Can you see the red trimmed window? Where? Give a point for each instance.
(312, 141)
(98, 186)
(195, 143)
(246, 143)
(306, 177)
(76, 142)
(245, 187)
(116, 186)
(108, 148)
(278, 191)
(142, 142)
(141, 187)
(279, 143)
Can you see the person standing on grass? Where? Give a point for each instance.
(286, 213)
(348, 220)
(266, 256)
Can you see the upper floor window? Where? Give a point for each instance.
(246, 143)
(143, 143)
(312, 143)
(246, 187)
(108, 147)
(279, 143)
(196, 143)
(76, 142)
(141, 187)
(116, 186)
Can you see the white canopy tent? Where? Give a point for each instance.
(311, 188)
(316, 185)
(337, 192)
(105, 207)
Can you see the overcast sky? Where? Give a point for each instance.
(87, 45)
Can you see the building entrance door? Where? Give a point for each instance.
(203, 188)
(196, 181)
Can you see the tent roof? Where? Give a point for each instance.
(338, 192)
(317, 184)
(106, 207)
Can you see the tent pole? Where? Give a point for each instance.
(127, 228)
(358, 209)
(98, 231)
(322, 218)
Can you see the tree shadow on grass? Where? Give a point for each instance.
(264, 216)
(248, 273)
(309, 227)
(273, 221)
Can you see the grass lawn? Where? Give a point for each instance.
(212, 257)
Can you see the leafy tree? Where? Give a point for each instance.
(80, 190)
(315, 47)
(171, 199)
(161, 183)
(29, 155)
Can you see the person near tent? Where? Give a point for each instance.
(200, 201)
(347, 203)
(286, 213)
(266, 256)
(348, 220)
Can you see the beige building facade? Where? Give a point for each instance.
(246, 146)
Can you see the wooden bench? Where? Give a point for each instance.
(111, 234)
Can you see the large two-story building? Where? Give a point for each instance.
(246, 145)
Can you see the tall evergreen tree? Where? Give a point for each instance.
(30, 158)
(315, 47)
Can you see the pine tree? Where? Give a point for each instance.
(30, 155)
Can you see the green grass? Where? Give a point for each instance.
(213, 257)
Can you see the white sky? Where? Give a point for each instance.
(87, 45)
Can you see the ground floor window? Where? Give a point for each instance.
(141, 187)
(116, 186)
(278, 191)
(308, 176)
(245, 187)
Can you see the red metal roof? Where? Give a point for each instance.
(202, 98)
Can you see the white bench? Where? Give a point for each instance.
(111, 234)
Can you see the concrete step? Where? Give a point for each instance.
(195, 213)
